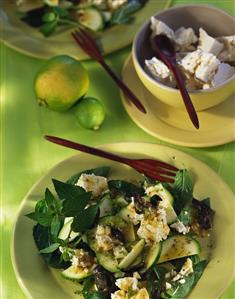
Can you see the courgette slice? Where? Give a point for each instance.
(66, 232)
(91, 18)
(132, 255)
(75, 273)
(108, 262)
(129, 233)
(113, 221)
(167, 197)
(106, 206)
(178, 246)
(124, 213)
(152, 255)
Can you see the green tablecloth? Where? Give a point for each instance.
(25, 156)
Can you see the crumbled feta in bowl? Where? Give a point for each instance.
(191, 32)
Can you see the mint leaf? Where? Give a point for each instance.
(74, 206)
(182, 189)
(67, 191)
(50, 248)
(85, 219)
(52, 202)
(122, 15)
(198, 270)
(186, 215)
(99, 171)
(56, 225)
(43, 219)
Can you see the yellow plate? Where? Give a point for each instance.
(23, 38)
(38, 282)
(217, 125)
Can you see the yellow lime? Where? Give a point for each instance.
(60, 82)
(90, 113)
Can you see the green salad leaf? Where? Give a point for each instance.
(85, 218)
(123, 15)
(99, 171)
(182, 190)
(127, 189)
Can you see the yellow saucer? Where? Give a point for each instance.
(217, 125)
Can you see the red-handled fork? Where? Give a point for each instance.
(88, 44)
(154, 169)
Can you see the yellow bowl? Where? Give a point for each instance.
(216, 22)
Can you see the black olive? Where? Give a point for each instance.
(104, 280)
(140, 203)
(204, 214)
(155, 199)
(117, 234)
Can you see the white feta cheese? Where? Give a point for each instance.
(180, 227)
(186, 269)
(228, 53)
(201, 64)
(141, 294)
(168, 286)
(185, 38)
(120, 294)
(191, 61)
(127, 283)
(209, 44)
(182, 281)
(133, 215)
(104, 238)
(207, 67)
(154, 228)
(93, 183)
(82, 259)
(159, 71)
(159, 27)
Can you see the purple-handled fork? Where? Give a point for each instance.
(88, 44)
(154, 169)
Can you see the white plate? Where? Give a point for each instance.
(38, 282)
(23, 38)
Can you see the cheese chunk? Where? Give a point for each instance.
(201, 64)
(158, 70)
(180, 227)
(185, 38)
(209, 44)
(93, 183)
(228, 53)
(159, 27)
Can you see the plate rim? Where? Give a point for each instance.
(135, 119)
(81, 56)
(104, 146)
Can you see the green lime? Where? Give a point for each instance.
(60, 82)
(90, 113)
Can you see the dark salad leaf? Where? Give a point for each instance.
(99, 171)
(127, 189)
(123, 15)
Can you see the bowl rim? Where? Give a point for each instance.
(148, 76)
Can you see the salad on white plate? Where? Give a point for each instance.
(119, 239)
(96, 15)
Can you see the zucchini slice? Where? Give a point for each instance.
(178, 246)
(132, 255)
(91, 18)
(75, 273)
(129, 233)
(66, 232)
(108, 262)
(124, 213)
(152, 255)
(106, 206)
(113, 221)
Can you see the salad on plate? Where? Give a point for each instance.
(124, 239)
(97, 15)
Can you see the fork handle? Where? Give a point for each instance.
(123, 87)
(87, 149)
